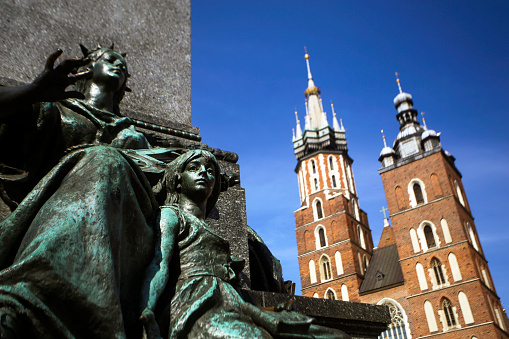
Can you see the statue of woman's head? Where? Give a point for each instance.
(105, 62)
(173, 177)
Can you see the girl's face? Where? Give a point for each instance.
(198, 178)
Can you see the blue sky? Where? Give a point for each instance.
(249, 75)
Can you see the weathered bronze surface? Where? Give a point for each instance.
(87, 252)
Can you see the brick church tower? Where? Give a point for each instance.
(429, 267)
(333, 237)
(430, 264)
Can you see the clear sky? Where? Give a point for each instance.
(249, 75)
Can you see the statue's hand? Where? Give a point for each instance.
(50, 85)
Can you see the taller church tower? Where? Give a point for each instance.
(333, 237)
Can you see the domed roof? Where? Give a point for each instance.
(409, 130)
(387, 151)
(402, 97)
(428, 134)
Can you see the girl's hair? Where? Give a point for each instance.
(173, 177)
(95, 55)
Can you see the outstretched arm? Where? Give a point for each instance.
(50, 85)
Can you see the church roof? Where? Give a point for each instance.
(387, 238)
(383, 271)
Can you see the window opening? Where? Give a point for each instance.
(326, 268)
(316, 184)
(449, 315)
(334, 181)
(430, 238)
(439, 273)
(313, 166)
(319, 212)
(397, 328)
(419, 198)
(330, 295)
(321, 235)
(331, 164)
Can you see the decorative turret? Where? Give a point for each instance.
(413, 140)
(317, 132)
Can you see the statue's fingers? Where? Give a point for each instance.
(50, 61)
(79, 76)
(73, 94)
(69, 64)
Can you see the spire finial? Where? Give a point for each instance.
(341, 122)
(306, 56)
(399, 83)
(383, 137)
(424, 120)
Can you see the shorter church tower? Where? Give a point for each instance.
(333, 237)
(430, 266)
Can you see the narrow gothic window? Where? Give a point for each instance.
(430, 238)
(439, 272)
(316, 184)
(330, 295)
(449, 314)
(319, 212)
(334, 181)
(313, 166)
(331, 164)
(325, 268)
(321, 235)
(419, 198)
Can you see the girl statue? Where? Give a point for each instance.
(195, 264)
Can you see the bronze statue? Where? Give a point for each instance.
(87, 243)
(73, 252)
(195, 264)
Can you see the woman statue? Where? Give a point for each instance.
(73, 251)
(195, 264)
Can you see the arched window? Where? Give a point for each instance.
(331, 163)
(366, 262)
(360, 262)
(438, 272)
(430, 316)
(419, 198)
(312, 271)
(315, 295)
(472, 236)
(417, 192)
(429, 236)
(344, 293)
(329, 294)
(318, 209)
(325, 270)
(455, 268)
(423, 284)
(445, 230)
(415, 241)
(399, 328)
(313, 166)
(449, 313)
(458, 192)
(321, 235)
(334, 184)
(465, 308)
(339, 263)
(316, 184)
(360, 236)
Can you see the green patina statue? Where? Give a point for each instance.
(87, 252)
(195, 265)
